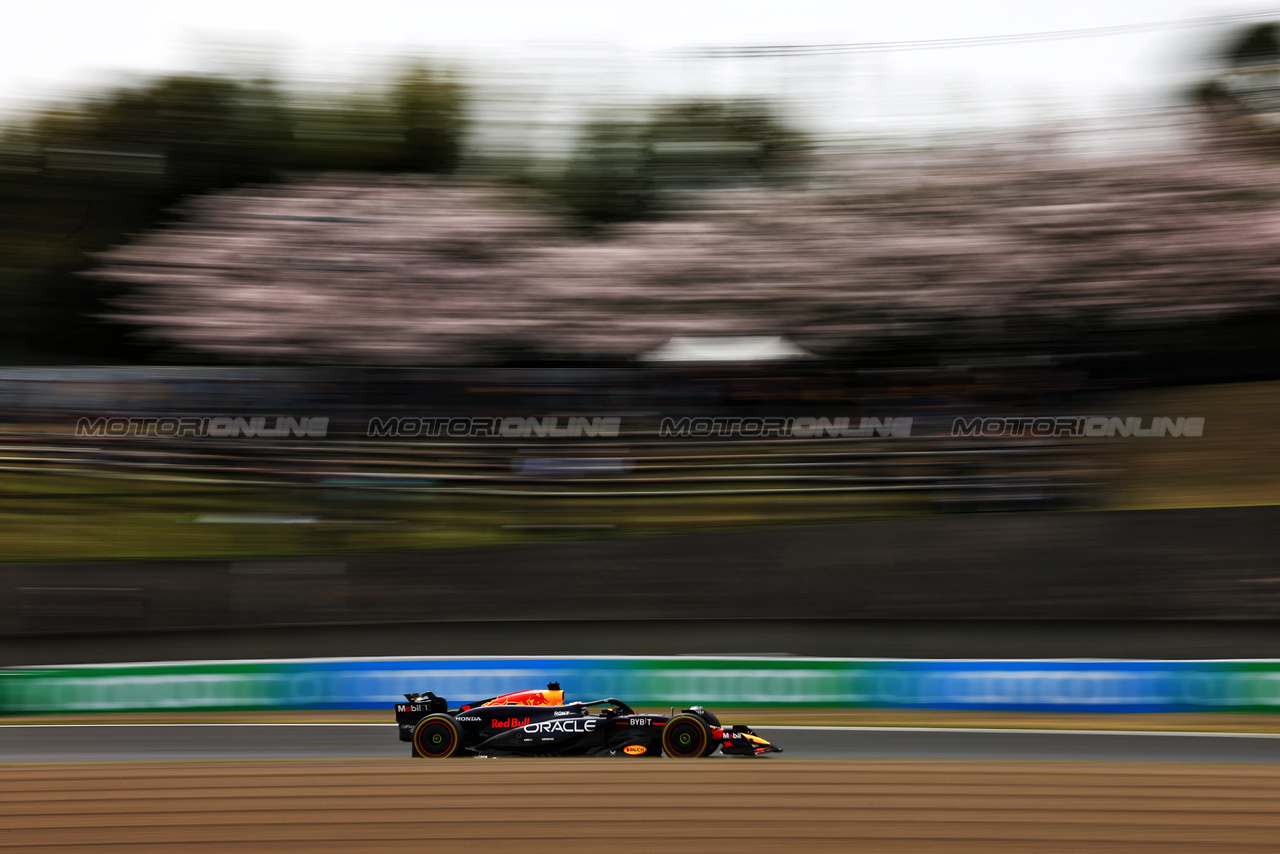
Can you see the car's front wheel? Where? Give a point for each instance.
(436, 737)
(686, 737)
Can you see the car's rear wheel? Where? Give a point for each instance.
(686, 737)
(436, 737)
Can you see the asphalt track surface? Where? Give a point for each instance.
(48, 743)
(221, 788)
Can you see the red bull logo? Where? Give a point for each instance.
(529, 698)
(509, 723)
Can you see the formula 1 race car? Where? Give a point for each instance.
(541, 723)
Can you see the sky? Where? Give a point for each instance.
(598, 51)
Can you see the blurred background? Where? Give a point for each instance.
(927, 213)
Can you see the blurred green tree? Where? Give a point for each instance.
(204, 132)
(1243, 94)
(79, 177)
(716, 143)
(417, 124)
(609, 178)
(626, 169)
(1257, 43)
(431, 109)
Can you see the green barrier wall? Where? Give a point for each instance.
(1060, 686)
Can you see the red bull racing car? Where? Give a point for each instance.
(541, 723)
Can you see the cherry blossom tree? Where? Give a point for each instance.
(414, 270)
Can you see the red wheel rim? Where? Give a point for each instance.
(435, 739)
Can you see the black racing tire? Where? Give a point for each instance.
(714, 723)
(710, 718)
(437, 737)
(686, 737)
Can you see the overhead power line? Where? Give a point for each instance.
(980, 41)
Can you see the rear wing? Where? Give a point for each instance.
(430, 701)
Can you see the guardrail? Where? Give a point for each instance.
(635, 464)
(1022, 685)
